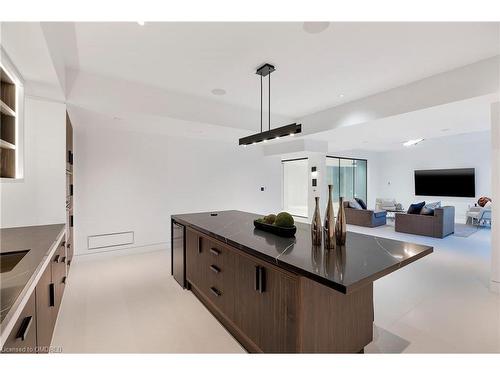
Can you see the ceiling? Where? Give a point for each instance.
(352, 60)
(25, 44)
(449, 120)
(163, 74)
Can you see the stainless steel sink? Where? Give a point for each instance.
(10, 259)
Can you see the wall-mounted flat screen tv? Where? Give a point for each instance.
(446, 182)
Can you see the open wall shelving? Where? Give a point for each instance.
(8, 92)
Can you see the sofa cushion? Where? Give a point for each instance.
(354, 204)
(361, 203)
(429, 208)
(380, 213)
(415, 208)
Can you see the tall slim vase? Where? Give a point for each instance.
(316, 228)
(329, 227)
(340, 226)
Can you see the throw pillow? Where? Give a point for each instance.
(354, 204)
(483, 200)
(361, 203)
(415, 208)
(429, 208)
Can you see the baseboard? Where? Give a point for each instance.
(148, 248)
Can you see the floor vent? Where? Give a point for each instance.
(100, 241)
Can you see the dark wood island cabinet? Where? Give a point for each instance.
(281, 295)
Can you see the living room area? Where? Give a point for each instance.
(422, 177)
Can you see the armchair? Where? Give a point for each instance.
(479, 215)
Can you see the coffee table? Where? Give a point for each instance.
(393, 212)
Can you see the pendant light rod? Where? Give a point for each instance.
(269, 98)
(261, 104)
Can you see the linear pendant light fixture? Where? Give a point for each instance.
(276, 133)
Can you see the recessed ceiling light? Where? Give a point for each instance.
(219, 92)
(341, 95)
(445, 129)
(412, 142)
(141, 23)
(315, 27)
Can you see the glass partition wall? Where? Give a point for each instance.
(348, 177)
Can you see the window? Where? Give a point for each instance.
(348, 177)
(295, 187)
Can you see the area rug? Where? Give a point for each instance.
(465, 230)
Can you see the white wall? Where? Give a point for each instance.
(395, 169)
(39, 198)
(133, 181)
(495, 184)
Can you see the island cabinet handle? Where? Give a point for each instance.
(214, 251)
(257, 278)
(63, 243)
(215, 291)
(56, 259)
(215, 268)
(262, 279)
(52, 295)
(63, 260)
(24, 328)
(199, 245)
(64, 280)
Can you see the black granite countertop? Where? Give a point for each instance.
(16, 278)
(362, 260)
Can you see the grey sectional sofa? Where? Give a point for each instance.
(439, 225)
(364, 218)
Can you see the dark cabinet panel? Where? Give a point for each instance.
(22, 338)
(45, 306)
(247, 313)
(267, 305)
(195, 255)
(278, 299)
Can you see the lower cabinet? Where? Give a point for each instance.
(34, 328)
(22, 338)
(267, 302)
(45, 306)
(258, 299)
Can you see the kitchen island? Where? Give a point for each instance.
(276, 294)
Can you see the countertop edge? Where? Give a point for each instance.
(16, 309)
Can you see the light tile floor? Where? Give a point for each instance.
(130, 303)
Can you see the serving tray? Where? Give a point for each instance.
(279, 231)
